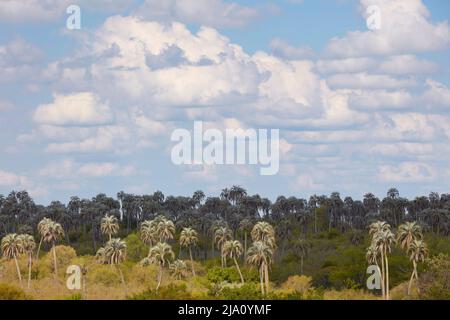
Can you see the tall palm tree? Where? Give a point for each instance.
(383, 241)
(53, 233)
(109, 225)
(407, 233)
(178, 269)
(301, 248)
(222, 235)
(233, 249)
(189, 238)
(148, 232)
(28, 245)
(264, 232)
(245, 226)
(372, 255)
(161, 254)
(165, 229)
(115, 252)
(260, 256)
(418, 252)
(41, 227)
(12, 247)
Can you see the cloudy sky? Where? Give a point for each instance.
(92, 110)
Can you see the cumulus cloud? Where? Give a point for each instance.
(285, 50)
(83, 108)
(68, 168)
(214, 13)
(407, 172)
(405, 28)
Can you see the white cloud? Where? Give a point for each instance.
(405, 28)
(82, 108)
(407, 172)
(407, 64)
(349, 65)
(284, 50)
(368, 81)
(10, 179)
(69, 168)
(214, 13)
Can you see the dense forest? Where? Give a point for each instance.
(241, 245)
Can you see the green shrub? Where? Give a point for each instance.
(170, 292)
(9, 292)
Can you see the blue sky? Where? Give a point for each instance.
(92, 110)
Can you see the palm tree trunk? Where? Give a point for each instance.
(245, 246)
(159, 277)
(55, 264)
(414, 272)
(301, 264)
(29, 268)
(387, 275)
(18, 270)
(192, 262)
(261, 280)
(39, 248)
(123, 280)
(266, 276)
(383, 283)
(239, 270)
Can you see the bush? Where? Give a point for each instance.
(247, 291)
(170, 292)
(348, 294)
(298, 284)
(9, 292)
(230, 275)
(434, 284)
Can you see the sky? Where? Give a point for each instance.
(92, 110)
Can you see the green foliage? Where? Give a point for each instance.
(434, 284)
(9, 292)
(136, 249)
(247, 291)
(169, 292)
(75, 296)
(230, 275)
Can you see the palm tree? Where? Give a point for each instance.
(189, 238)
(28, 245)
(233, 249)
(12, 246)
(161, 254)
(53, 233)
(100, 255)
(245, 226)
(148, 232)
(41, 227)
(383, 241)
(165, 229)
(109, 225)
(264, 232)
(372, 258)
(407, 233)
(301, 248)
(178, 269)
(115, 253)
(418, 252)
(222, 235)
(260, 256)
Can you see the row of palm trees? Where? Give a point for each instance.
(13, 245)
(409, 238)
(155, 233)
